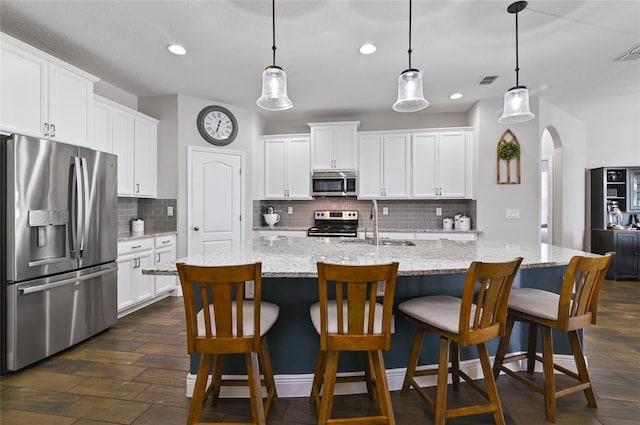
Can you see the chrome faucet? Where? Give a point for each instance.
(374, 217)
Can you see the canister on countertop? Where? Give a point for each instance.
(465, 223)
(456, 220)
(137, 226)
(447, 223)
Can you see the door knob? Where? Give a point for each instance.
(196, 228)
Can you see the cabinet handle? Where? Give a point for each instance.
(136, 246)
(137, 187)
(53, 130)
(158, 259)
(196, 229)
(46, 129)
(166, 241)
(136, 263)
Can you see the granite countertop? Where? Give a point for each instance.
(128, 236)
(362, 229)
(297, 257)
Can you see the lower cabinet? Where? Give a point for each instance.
(626, 245)
(136, 290)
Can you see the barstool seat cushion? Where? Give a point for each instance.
(332, 310)
(535, 302)
(440, 311)
(268, 316)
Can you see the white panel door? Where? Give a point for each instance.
(370, 161)
(123, 139)
(102, 127)
(322, 148)
(396, 166)
(275, 169)
(452, 164)
(299, 169)
(146, 141)
(70, 101)
(345, 147)
(215, 201)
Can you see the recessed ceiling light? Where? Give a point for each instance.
(367, 49)
(177, 49)
(455, 96)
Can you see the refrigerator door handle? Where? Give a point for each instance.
(47, 286)
(85, 204)
(75, 203)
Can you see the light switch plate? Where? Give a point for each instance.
(512, 214)
(170, 211)
(289, 210)
(385, 210)
(438, 212)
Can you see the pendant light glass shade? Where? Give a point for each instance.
(410, 97)
(516, 106)
(274, 90)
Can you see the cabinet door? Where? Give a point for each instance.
(146, 140)
(396, 170)
(322, 148)
(70, 101)
(345, 147)
(275, 174)
(23, 91)
(102, 127)
(165, 283)
(123, 139)
(627, 254)
(126, 294)
(452, 164)
(633, 201)
(370, 172)
(299, 169)
(424, 165)
(144, 284)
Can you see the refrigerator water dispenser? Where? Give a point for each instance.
(48, 236)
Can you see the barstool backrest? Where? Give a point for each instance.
(578, 305)
(221, 328)
(356, 326)
(492, 282)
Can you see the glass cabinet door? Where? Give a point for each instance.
(634, 189)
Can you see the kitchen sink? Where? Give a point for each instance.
(386, 242)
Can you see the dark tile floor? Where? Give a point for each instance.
(134, 373)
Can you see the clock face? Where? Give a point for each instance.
(217, 125)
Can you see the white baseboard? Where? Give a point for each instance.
(300, 385)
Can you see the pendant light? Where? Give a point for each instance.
(516, 99)
(410, 97)
(274, 79)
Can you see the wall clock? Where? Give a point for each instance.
(217, 125)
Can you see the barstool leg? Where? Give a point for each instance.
(197, 399)
(549, 378)
(413, 361)
(255, 389)
(492, 389)
(328, 386)
(384, 396)
(270, 383)
(318, 378)
(216, 377)
(582, 368)
(532, 344)
(454, 350)
(503, 347)
(443, 373)
(368, 367)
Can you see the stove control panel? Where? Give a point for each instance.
(336, 215)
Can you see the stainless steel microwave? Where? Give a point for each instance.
(334, 183)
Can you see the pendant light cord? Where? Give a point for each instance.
(517, 63)
(410, 51)
(273, 18)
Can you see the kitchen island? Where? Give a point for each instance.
(427, 268)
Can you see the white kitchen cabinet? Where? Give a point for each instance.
(334, 145)
(441, 164)
(165, 251)
(287, 167)
(384, 170)
(42, 96)
(133, 286)
(132, 136)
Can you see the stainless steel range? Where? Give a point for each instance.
(334, 223)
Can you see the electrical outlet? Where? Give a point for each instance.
(169, 210)
(385, 210)
(512, 214)
(289, 210)
(249, 290)
(438, 212)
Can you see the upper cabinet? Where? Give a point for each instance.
(441, 163)
(132, 136)
(384, 165)
(287, 168)
(334, 145)
(42, 96)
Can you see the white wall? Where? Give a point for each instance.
(493, 198)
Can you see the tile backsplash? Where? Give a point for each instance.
(402, 214)
(152, 211)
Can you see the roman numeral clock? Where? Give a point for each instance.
(217, 125)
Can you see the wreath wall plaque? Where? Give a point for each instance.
(508, 159)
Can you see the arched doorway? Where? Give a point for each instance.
(550, 187)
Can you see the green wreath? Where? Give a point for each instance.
(508, 151)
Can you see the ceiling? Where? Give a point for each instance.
(568, 49)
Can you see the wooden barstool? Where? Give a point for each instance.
(231, 325)
(459, 323)
(348, 323)
(574, 308)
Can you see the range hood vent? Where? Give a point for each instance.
(489, 79)
(630, 55)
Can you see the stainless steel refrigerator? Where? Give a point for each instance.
(58, 219)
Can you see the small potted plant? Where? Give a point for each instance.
(509, 150)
